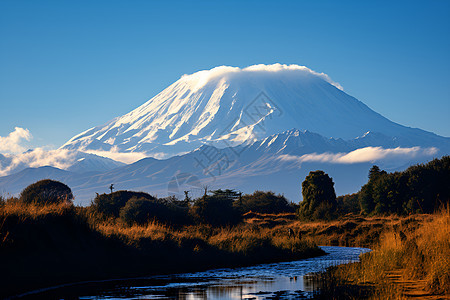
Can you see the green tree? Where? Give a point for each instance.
(319, 197)
(46, 191)
(421, 188)
(348, 204)
(366, 195)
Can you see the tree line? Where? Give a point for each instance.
(421, 188)
(215, 207)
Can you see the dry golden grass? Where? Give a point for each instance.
(415, 249)
(154, 231)
(16, 208)
(433, 242)
(242, 238)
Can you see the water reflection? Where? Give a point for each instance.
(288, 280)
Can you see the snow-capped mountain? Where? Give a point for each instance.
(228, 106)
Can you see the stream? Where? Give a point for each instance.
(286, 280)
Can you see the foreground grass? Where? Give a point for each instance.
(409, 261)
(51, 244)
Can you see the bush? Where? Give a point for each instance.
(45, 192)
(264, 202)
(110, 204)
(141, 211)
(216, 210)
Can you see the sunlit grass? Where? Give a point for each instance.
(411, 250)
(13, 207)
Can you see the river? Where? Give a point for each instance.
(287, 280)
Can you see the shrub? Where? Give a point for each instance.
(264, 202)
(216, 210)
(110, 204)
(141, 211)
(46, 191)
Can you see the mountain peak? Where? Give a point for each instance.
(229, 106)
(200, 78)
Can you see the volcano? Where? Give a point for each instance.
(229, 106)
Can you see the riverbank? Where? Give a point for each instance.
(47, 245)
(410, 261)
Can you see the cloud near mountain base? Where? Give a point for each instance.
(124, 157)
(363, 155)
(61, 158)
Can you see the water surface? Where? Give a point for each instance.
(287, 280)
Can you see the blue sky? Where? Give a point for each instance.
(66, 66)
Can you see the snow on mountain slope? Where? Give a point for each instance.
(228, 106)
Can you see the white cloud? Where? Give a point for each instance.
(282, 67)
(61, 158)
(203, 77)
(12, 142)
(368, 154)
(14, 158)
(125, 157)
